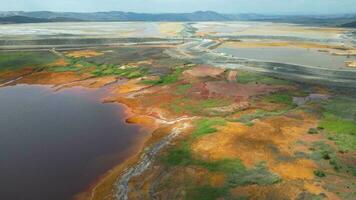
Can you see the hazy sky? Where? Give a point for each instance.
(155, 6)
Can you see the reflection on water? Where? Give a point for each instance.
(53, 145)
(298, 56)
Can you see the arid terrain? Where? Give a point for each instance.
(220, 125)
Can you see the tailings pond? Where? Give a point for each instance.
(297, 56)
(53, 145)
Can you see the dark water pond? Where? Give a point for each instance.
(55, 144)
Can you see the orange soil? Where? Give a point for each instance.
(10, 75)
(130, 86)
(205, 71)
(217, 180)
(97, 82)
(143, 120)
(50, 78)
(272, 139)
(299, 169)
(252, 44)
(265, 141)
(240, 91)
(59, 63)
(84, 53)
(287, 190)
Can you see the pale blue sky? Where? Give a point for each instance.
(158, 6)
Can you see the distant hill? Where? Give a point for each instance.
(122, 16)
(47, 16)
(314, 20)
(24, 19)
(349, 25)
(21, 19)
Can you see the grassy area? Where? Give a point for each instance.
(235, 171)
(206, 192)
(258, 114)
(74, 65)
(166, 79)
(257, 175)
(339, 122)
(182, 89)
(124, 71)
(181, 154)
(207, 126)
(319, 173)
(64, 69)
(342, 107)
(17, 60)
(322, 151)
(79, 64)
(285, 98)
(250, 77)
(328, 154)
(338, 125)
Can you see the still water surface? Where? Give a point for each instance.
(55, 144)
(298, 56)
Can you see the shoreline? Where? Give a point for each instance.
(129, 118)
(105, 184)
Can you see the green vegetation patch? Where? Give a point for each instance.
(64, 69)
(342, 131)
(319, 173)
(310, 196)
(206, 192)
(179, 155)
(325, 152)
(343, 107)
(237, 175)
(339, 122)
(17, 60)
(74, 65)
(182, 89)
(313, 131)
(124, 71)
(182, 156)
(251, 77)
(258, 114)
(166, 79)
(227, 166)
(322, 151)
(207, 126)
(258, 175)
(233, 169)
(285, 98)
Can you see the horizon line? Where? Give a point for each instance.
(241, 13)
